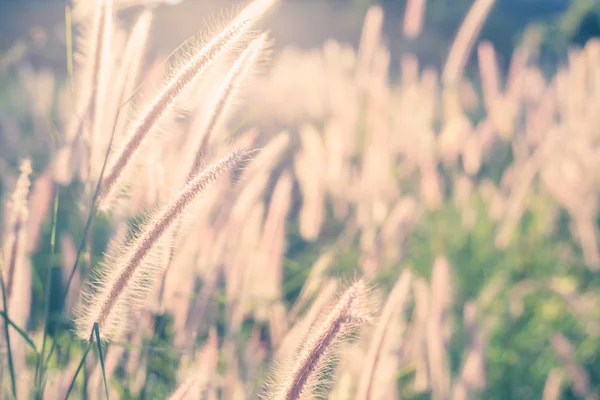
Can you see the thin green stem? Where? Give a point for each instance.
(20, 331)
(11, 367)
(81, 363)
(99, 342)
(48, 294)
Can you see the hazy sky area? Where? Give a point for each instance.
(303, 23)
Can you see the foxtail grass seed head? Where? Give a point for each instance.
(465, 38)
(396, 301)
(127, 282)
(350, 311)
(224, 95)
(163, 103)
(413, 18)
(15, 243)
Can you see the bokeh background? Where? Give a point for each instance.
(483, 182)
(559, 23)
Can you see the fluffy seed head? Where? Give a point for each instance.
(128, 280)
(15, 242)
(223, 97)
(163, 103)
(350, 311)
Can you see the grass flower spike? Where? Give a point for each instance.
(350, 311)
(128, 281)
(165, 100)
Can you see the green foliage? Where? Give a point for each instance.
(522, 311)
(519, 355)
(162, 365)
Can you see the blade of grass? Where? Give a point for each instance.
(40, 357)
(84, 388)
(93, 206)
(20, 331)
(81, 364)
(97, 332)
(11, 367)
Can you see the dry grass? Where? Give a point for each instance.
(345, 163)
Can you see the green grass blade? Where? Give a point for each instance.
(39, 362)
(81, 364)
(11, 367)
(97, 332)
(20, 331)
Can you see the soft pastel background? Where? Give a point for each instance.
(482, 182)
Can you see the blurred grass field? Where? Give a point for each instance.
(464, 167)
